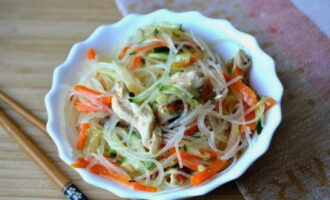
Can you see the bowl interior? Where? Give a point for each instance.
(221, 36)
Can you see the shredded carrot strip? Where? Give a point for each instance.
(240, 89)
(246, 93)
(84, 89)
(207, 173)
(82, 136)
(191, 130)
(136, 62)
(86, 107)
(269, 103)
(237, 72)
(146, 188)
(251, 126)
(123, 52)
(190, 164)
(91, 54)
(106, 100)
(103, 171)
(80, 163)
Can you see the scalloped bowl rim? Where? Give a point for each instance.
(260, 143)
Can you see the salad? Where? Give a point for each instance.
(164, 111)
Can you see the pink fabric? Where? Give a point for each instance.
(299, 37)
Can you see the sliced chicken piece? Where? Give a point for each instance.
(162, 113)
(120, 104)
(242, 60)
(143, 120)
(189, 80)
(156, 140)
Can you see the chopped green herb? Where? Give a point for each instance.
(132, 53)
(113, 153)
(156, 31)
(146, 93)
(259, 127)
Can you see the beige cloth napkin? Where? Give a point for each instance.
(297, 165)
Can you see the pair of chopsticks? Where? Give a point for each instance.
(56, 176)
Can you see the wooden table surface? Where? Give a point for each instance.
(36, 36)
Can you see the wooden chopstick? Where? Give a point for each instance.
(25, 113)
(56, 176)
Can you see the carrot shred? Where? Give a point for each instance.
(190, 164)
(123, 52)
(101, 170)
(86, 107)
(251, 126)
(120, 178)
(98, 169)
(191, 130)
(106, 100)
(84, 89)
(136, 62)
(237, 72)
(245, 92)
(240, 89)
(80, 163)
(157, 43)
(91, 54)
(269, 103)
(212, 154)
(145, 188)
(207, 173)
(82, 136)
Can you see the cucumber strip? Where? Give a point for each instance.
(143, 95)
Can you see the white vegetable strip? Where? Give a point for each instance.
(178, 155)
(176, 137)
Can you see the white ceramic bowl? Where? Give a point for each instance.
(226, 41)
